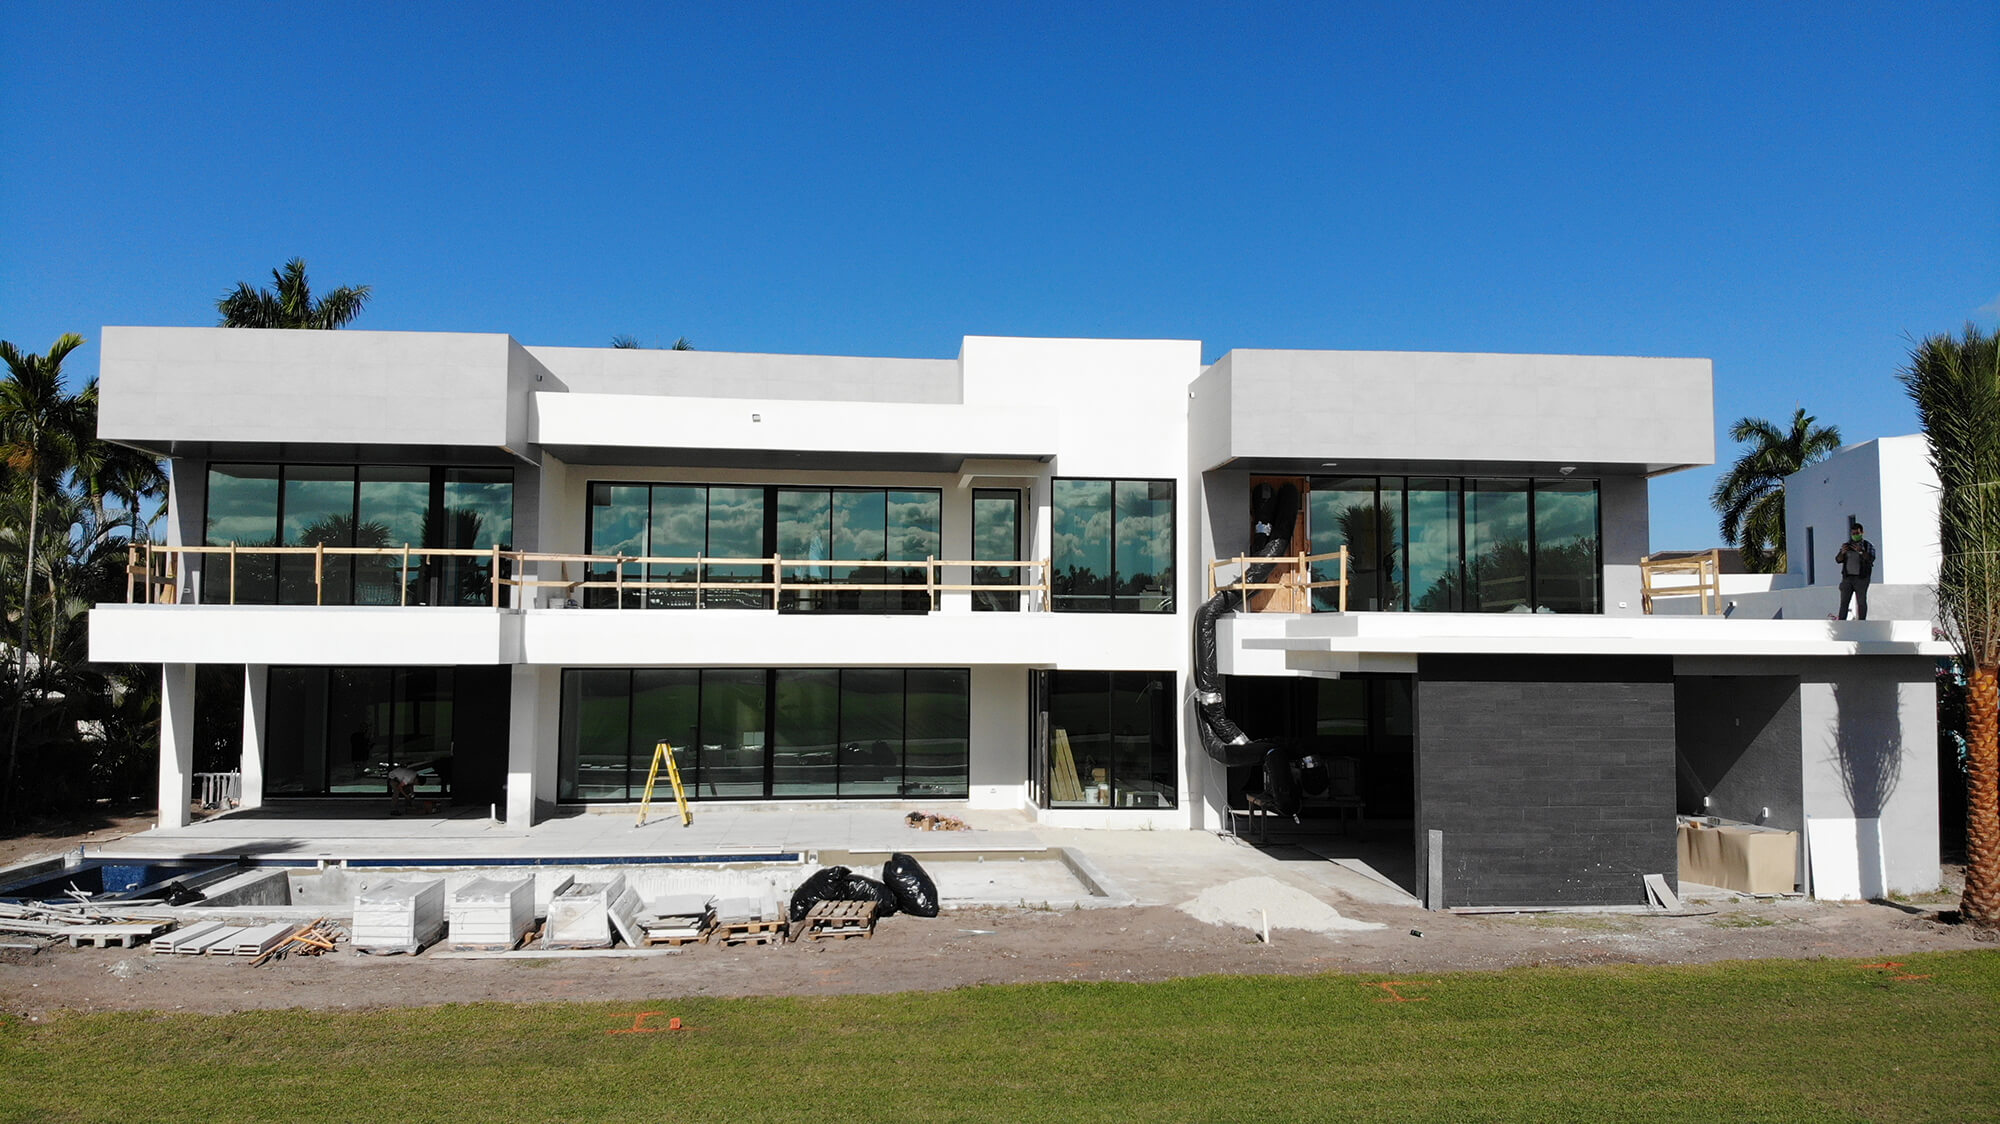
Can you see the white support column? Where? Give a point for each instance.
(256, 680)
(176, 743)
(523, 735)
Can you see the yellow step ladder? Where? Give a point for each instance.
(664, 752)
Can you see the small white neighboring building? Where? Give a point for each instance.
(1887, 485)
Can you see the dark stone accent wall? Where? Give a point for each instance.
(1738, 739)
(1552, 778)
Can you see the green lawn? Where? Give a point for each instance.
(1753, 1041)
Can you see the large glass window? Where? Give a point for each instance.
(734, 725)
(1112, 739)
(804, 746)
(382, 506)
(1113, 546)
(996, 537)
(1432, 548)
(937, 731)
(798, 525)
(337, 731)
(1566, 560)
(393, 505)
(1441, 544)
(243, 509)
(1496, 546)
(748, 732)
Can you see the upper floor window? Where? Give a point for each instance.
(996, 538)
(1447, 544)
(1113, 546)
(344, 505)
(822, 535)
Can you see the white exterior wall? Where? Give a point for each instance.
(1867, 748)
(1889, 487)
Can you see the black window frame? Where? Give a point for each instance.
(1112, 601)
(437, 574)
(1463, 487)
(852, 603)
(689, 758)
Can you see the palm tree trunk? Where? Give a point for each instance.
(1981, 904)
(27, 637)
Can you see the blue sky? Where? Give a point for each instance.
(1791, 191)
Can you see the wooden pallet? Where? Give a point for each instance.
(750, 932)
(837, 920)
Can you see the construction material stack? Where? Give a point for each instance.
(580, 914)
(489, 914)
(399, 916)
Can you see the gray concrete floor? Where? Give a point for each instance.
(1143, 867)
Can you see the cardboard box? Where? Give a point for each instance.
(1748, 860)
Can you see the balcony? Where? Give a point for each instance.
(410, 576)
(391, 606)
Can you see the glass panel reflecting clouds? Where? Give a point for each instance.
(1081, 542)
(1566, 552)
(736, 530)
(1496, 546)
(996, 537)
(1143, 557)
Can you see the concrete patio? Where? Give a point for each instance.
(1123, 867)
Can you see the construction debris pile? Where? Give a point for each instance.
(935, 821)
(498, 916)
(120, 925)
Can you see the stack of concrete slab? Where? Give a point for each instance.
(580, 914)
(216, 938)
(399, 916)
(491, 914)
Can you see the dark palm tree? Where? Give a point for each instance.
(1751, 496)
(625, 342)
(292, 305)
(1956, 386)
(43, 429)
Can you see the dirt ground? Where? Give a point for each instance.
(978, 946)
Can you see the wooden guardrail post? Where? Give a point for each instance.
(494, 575)
(319, 573)
(232, 571)
(403, 579)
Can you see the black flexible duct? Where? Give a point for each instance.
(1276, 512)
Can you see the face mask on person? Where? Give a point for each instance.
(1854, 536)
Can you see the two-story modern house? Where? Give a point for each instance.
(517, 569)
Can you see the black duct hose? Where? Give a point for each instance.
(1276, 511)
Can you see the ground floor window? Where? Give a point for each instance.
(841, 733)
(337, 731)
(1111, 739)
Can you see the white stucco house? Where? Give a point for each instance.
(976, 579)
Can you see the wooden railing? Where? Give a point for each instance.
(153, 572)
(1288, 581)
(1705, 569)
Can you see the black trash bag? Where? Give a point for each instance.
(916, 894)
(177, 894)
(861, 888)
(829, 885)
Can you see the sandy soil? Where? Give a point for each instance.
(983, 946)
